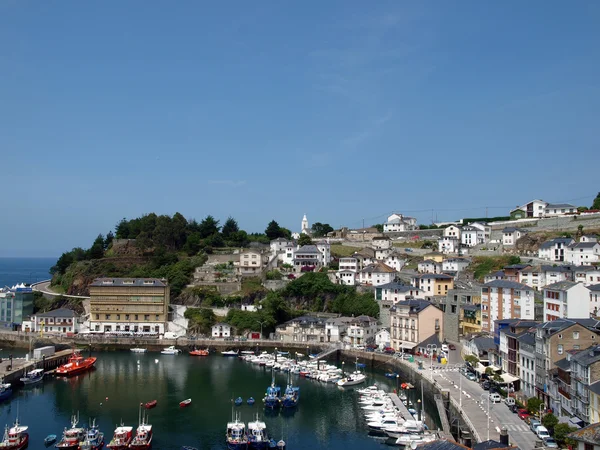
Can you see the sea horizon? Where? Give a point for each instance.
(24, 269)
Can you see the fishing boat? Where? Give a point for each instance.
(5, 391)
(150, 405)
(15, 438)
(291, 395)
(143, 434)
(171, 350)
(257, 434)
(271, 399)
(35, 376)
(94, 439)
(77, 364)
(250, 401)
(139, 350)
(236, 437)
(121, 438)
(72, 436)
(230, 353)
(185, 403)
(238, 401)
(199, 352)
(49, 440)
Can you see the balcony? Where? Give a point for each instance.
(564, 393)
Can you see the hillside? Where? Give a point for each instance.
(531, 242)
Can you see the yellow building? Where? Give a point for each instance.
(434, 256)
(594, 408)
(129, 305)
(433, 283)
(470, 319)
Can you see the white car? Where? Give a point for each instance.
(445, 348)
(495, 398)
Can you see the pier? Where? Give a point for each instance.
(401, 406)
(20, 366)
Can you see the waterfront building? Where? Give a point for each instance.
(555, 249)
(481, 347)
(413, 322)
(62, 320)
(361, 330)
(16, 304)
(567, 299)
(503, 299)
(221, 330)
(387, 295)
(138, 305)
(302, 329)
(383, 338)
(335, 328)
(376, 274)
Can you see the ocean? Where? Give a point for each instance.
(24, 270)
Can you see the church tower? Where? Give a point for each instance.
(305, 229)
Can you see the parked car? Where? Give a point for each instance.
(523, 414)
(445, 348)
(542, 432)
(509, 401)
(485, 385)
(452, 346)
(550, 443)
(389, 350)
(409, 250)
(471, 376)
(495, 397)
(514, 408)
(533, 424)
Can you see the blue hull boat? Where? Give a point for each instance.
(238, 401)
(5, 391)
(250, 401)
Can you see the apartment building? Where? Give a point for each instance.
(503, 299)
(138, 305)
(566, 299)
(433, 283)
(526, 366)
(302, 329)
(413, 322)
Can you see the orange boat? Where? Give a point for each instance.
(76, 364)
(199, 352)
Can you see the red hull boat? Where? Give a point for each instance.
(185, 403)
(151, 404)
(15, 438)
(199, 353)
(77, 364)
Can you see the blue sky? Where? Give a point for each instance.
(342, 110)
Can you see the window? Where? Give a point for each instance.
(136, 317)
(126, 316)
(560, 349)
(118, 316)
(108, 317)
(156, 318)
(575, 334)
(97, 316)
(146, 316)
(587, 446)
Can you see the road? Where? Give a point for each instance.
(475, 404)
(44, 288)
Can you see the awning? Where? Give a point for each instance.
(494, 368)
(480, 368)
(408, 345)
(507, 378)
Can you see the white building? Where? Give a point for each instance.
(59, 321)
(361, 330)
(346, 277)
(283, 249)
(469, 236)
(429, 266)
(335, 328)
(555, 249)
(595, 299)
(526, 363)
(504, 299)
(455, 264)
(484, 231)
(308, 258)
(539, 276)
(534, 208)
(221, 330)
(448, 244)
(395, 260)
(395, 292)
(583, 253)
(252, 262)
(325, 248)
(510, 236)
(376, 274)
(587, 275)
(452, 231)
(559, 209)
(566, 300)
(382, 338)
(381, 242)
(398, 222)
(302, 329)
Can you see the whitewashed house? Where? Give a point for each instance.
(302, 329)
(364, 257)
(395, 292)
(588, 275)
(308, 258)
(335, 328)
(510, 236)
(534, 208)
(429, 266)
(381, 242)
(452, 231)
(588, 238)
(567, 300)
(455, 264)
(484, 231)
(538, 277)
(325, 248)
(361, 330)
(252, 262)
(583, 253)
(221, 330)
(382, 338)
(376, 274)
(448, 244)
(555, 249)
(346, 274)
(59, 321)
(469, 236)
(382, 253)
(395, 260)
(398, 222)
(559, 209)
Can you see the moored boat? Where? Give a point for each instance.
(138, 350)
(15, 438)
(94, 439)
(236, 437)
(5, 391)
(35, 376)
(143, 434)
(238, 401)
(171, 350)
(250, 401)
(272, 399)
(77, 364)
(72, 436)
(291, 395)
(49, 440)
(230, 353)
(150, 405)
(257, 434)
(184, 403)
(121, 438)
(199, 352)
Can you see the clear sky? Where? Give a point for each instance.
(263, 110)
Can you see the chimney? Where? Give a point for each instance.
(504, 436)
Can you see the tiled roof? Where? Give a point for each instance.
(560, 205)
(397, 285)
(526, 338)
(438, 276)
(594, 287)
(490, 445)
(416, 305)
(145, 282)
(442, 444)
(561, 286)
(589, 434)
(563, 364)
(431, 340)
(588, 356)
(308, 249)
(378, 267)
(61, 312)
(595, 387)
(552, 242)
(483, 343)
(512, 230)
(583, 245)
(506, 284)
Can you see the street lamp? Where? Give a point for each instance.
(261, 322)
(397, 383)
(275, 354)
(419, 408)
(488, 413)
(431, 348)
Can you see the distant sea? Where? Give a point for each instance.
(24, 270)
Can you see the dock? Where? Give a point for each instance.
(401, 406)
(20, 366)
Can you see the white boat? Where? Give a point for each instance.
(170, 351)
(352, 380)
(35, 376)
(230, 353)
(247, 352)
(412, 427)
(138, 350)
(408, 439)
(384, 423)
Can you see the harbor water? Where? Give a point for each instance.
(327, 417)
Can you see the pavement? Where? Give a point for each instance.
(44, 288)
(475, 403)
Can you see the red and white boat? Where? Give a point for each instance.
(15, 438)
(185, 403)
(77, 364)
(143, 434)
(121, 438)
(199, 352)
(72, 436)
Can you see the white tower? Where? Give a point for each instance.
(304, 229)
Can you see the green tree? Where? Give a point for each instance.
(320, 229)
(238, 239)
(97, 248)
(109, 239)
(230, 227)
(533, 405)
(273, 230)
(379, 227)
(596, 202)
(514, 260)
(561, 430)
(550, 421)
(274, 275)
(193, 244)
(201, 320)
(489, 371)
(471, 359)
(304, 239)
(208, 227)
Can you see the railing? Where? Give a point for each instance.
(466, 419)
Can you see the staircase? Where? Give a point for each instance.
(327, 352)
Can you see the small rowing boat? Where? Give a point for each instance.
(151, 404)
(185, 403)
